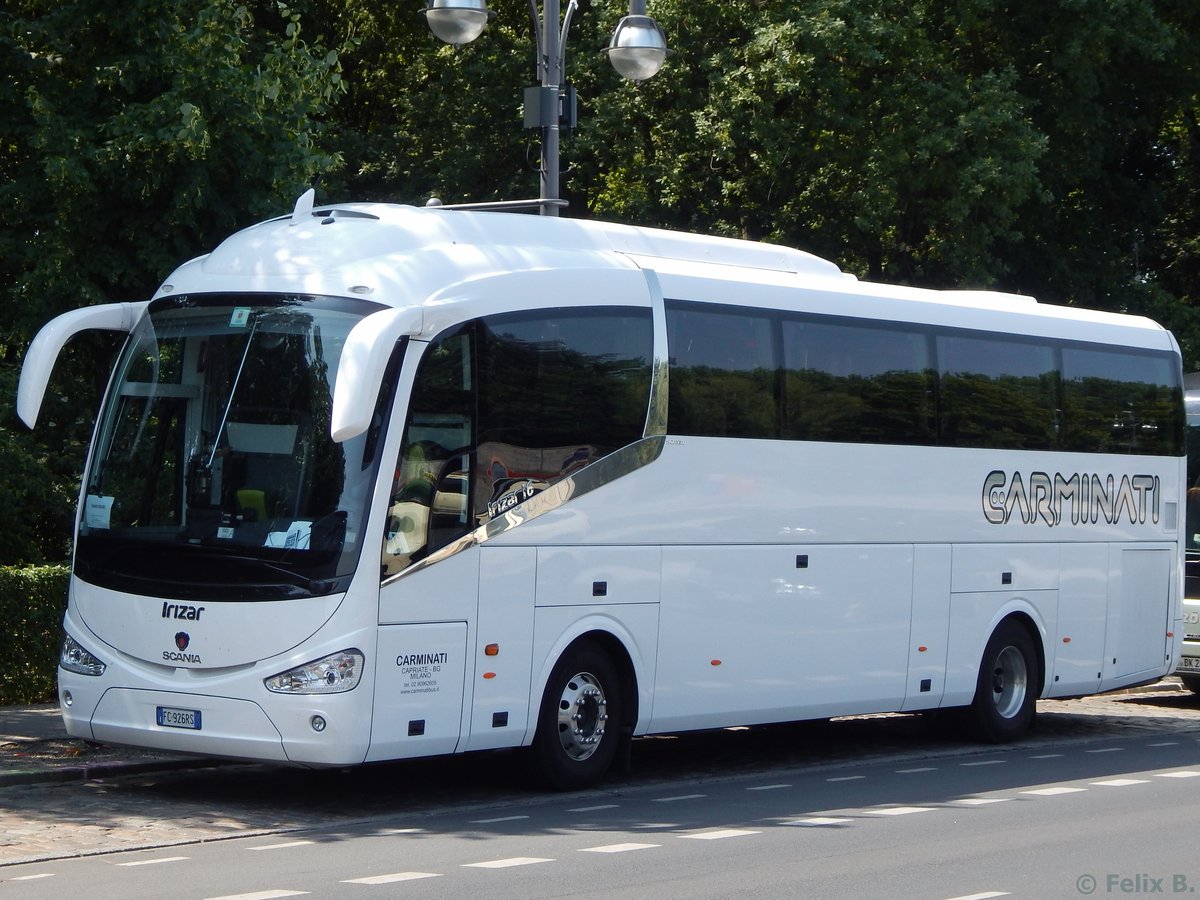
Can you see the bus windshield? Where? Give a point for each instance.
(214, 474)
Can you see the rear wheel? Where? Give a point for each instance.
(579, 720)
(1006, 690)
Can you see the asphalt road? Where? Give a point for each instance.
(1083, 819)
(876, 806)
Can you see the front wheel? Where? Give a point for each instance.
(579, 720)
(1006, 689)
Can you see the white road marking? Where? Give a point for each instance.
(847, 778)
(618, 848)
(915, 771)
(392, 879)
(497, 819)
(507, 863)
(579, 809)
(389, 831)
(1164, 744)
(985, 762)
(719, 834)
(769, 787)
(1121, 782)
(154, 862)
(281, 846)
(1047, 756)
(1054, 791)
(261, 895)
(981, 801)
(898, 810)
(814, 821)
(1105, 750)
(1184, 774)
(33, 877)
(987, 895)
(680, 797)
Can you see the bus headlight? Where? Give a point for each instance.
(333, 674)
(74, 657)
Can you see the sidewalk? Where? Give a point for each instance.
(35, 748)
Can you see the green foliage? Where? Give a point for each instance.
(1048, 149)
(148, 131)
(32, 602)
(424, 119)
(40, 504)
(132, 137)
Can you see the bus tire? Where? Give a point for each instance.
(1191, 682)
(1006, 689)
(579, 720)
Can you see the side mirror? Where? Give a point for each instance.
(360, 370)
(53, 336)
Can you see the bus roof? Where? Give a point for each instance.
(402, 256)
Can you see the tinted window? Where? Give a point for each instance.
(505, 406)
(858, 383)
(557, 391)
(756, 374)
(1121, 403)
(997, 393)
(723, 378)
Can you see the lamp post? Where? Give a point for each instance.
(637, 50)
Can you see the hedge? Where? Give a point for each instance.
(32, 602)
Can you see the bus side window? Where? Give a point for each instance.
(429, 504)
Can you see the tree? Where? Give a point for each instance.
(425, 119)
(136, 136)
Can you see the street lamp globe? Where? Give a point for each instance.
(638, 48)
(457, 21)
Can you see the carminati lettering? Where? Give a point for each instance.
(1082, 498)
(421, 659)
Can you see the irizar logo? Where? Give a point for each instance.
(181, 611)
(1082, 497)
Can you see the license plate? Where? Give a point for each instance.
(170, 717)
(1191, 663)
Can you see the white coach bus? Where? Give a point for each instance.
(373, 482)
(1189, 660)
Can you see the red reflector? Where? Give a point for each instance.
(491, 650)
(714, 662)
(489, 675)
(1170, 634)
(1066, 640)
(922, 649)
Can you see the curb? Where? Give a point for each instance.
(93, 771)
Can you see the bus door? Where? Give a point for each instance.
(1139, 612)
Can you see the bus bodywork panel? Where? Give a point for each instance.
(745, 627)
(766, 634)
(231, 712)
(709, 491)
(199, 634)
